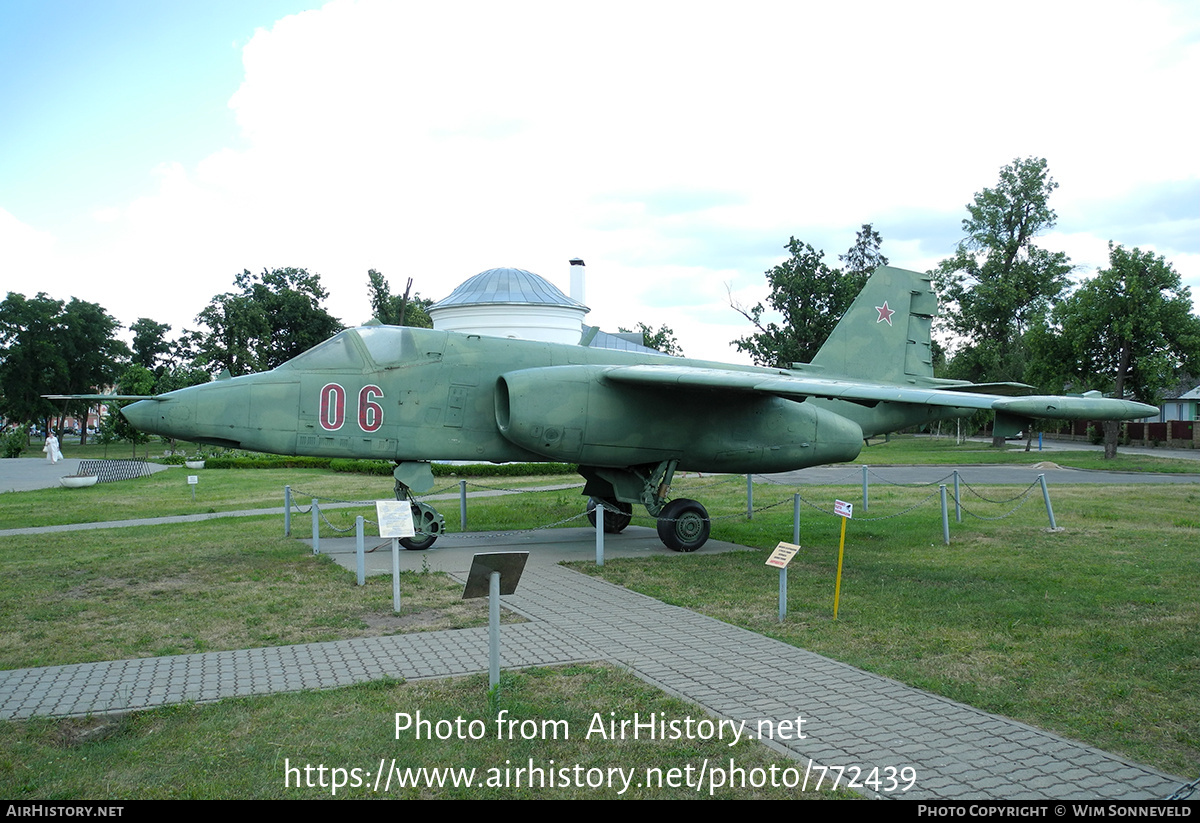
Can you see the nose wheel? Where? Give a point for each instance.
(428, 524)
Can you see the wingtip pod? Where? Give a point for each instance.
(1075, 408)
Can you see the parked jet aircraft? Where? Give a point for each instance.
(629, 420)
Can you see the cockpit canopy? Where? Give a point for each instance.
(374, 346)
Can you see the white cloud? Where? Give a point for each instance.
(674, 146)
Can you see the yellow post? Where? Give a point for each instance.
(837, 589)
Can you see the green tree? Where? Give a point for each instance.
(662, 340)
(136, 379)
(31, 362)
(48, 347)
(864, 256)
(811, 297)
(1130, 328)
(397, 310)
(271, 318)
(999, 284)
(93, 354)
(151, 348)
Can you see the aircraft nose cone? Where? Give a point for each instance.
(142, 415)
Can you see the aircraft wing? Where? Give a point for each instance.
(101, 396)
(800, 387)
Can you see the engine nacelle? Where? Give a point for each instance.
(573, 415)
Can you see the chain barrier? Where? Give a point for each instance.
(311, 495)
(330, 525)
(489, 534)
(997, 502)
(516, 491)
(1022, 499)
(443, 490)
(883, 479)
(916, 505)
(1185, 791)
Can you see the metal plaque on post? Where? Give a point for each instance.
(395, 518)
(395, 521)
(509, 564)
(494, 574)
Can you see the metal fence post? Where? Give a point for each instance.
(360, 550)
(782, 593)
(957, 500)
(1046, 497)
(599, 533)
(945, 517)
(749, 497)
(796, 519)
(865, 500)
(316, 513)
(462, 504)
(287, 511)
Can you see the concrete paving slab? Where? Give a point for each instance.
(452, 552)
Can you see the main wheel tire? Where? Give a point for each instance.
(683, 525)
(616, 515)
(428, 524)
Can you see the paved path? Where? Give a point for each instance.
(851, 718)
(22, 474)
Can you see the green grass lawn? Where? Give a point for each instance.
(167, 493)
(1090, 632)
(906, 449)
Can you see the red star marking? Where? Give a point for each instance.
(885, 313)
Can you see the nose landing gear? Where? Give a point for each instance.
(427, 521)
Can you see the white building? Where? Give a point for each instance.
(516, 303)
(511, 303)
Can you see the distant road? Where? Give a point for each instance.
(979, 473)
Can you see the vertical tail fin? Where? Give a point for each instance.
(885, 334)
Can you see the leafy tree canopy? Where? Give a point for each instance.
(151, 349)
(662, 340)
(811, 297)
(48, 347)
(30, 361)
(1130, 328)
(999, 284)
(397, 310)
(271, 318)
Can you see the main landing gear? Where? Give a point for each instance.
(427, 522)
(683, 524)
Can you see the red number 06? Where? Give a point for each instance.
(370, 413)
(333, 407)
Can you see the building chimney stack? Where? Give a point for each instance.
(578, 271)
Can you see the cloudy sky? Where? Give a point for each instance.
(150, 150)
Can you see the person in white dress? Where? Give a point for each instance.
(53, 453)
